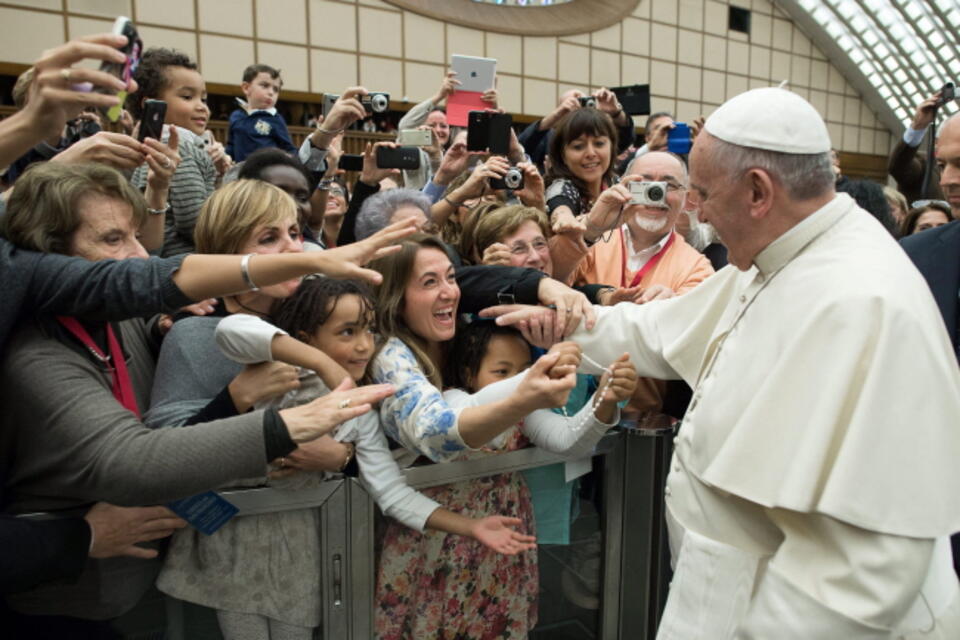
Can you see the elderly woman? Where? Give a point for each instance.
(102, 372)
(387, 207)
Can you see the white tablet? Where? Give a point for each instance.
(474, 74)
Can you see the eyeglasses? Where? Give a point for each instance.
(522, 248)
(335, 191)
(926, 203)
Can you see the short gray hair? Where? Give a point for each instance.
(377, 210)
(803, 175)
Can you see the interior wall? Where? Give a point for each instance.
(682, 48)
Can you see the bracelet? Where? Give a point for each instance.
(331, 133)
(159, 212)
(455, 205)
(350, 454)
(245, 272)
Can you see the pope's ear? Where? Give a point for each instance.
(761, 192)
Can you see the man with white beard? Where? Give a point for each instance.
(643, 258)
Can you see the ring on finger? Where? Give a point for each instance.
(283, 462)
(344, 404)
(166, 163)
(65, 74)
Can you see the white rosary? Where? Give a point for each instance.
(598, 396)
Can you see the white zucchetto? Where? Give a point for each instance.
(772, 119)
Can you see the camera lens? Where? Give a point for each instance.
(513, 179)
(379, 103)
(655, 194)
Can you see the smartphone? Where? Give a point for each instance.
(124, 26)
(398, 157)
(351, 162)
(151, 124)
(478, 130)
(415, 138)
(678, 139)
(635, 99)
(499, 137)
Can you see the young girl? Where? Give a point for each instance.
(432, 585)
(331, 320)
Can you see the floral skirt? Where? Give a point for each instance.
(445, 586)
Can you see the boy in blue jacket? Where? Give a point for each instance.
(258, 125)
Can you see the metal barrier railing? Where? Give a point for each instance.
(635, 561)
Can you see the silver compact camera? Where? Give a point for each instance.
(649, 194)
(512, 179)
(375, 102)
(588, 101)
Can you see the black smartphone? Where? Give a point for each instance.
(398, 157)
(151, 124)
(133, 50)
(478, 130)
(499, 137)
(351, 162)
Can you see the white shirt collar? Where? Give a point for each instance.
(636, 259)
(272, 111)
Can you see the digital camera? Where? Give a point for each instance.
(376, 102)
(649, 194)
(512, 179)
(947, 94)
(588, 101)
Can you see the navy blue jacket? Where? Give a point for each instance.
(255, 131)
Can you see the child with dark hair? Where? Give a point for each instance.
(482, 595)
(257, 124)
(171, 76)
(262, 572)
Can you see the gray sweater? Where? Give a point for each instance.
(67, 442)
(32, 282)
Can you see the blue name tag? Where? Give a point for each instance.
(206, 512)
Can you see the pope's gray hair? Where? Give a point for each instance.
(803, 175)
(376, 211)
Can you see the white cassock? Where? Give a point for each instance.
(816, 476)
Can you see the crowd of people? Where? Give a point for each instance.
(186, 315)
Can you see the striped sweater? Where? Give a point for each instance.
(193, 182)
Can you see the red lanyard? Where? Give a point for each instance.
(651, 263)
(122, 387)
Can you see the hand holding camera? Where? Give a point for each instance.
(532, 192)
(343, 112)
(372, 174)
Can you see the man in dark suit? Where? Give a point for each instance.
(936, 252)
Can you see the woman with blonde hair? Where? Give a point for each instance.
(195, 381)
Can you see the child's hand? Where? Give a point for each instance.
(496, 532)
(623, 377)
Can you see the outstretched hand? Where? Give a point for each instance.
(347, 262)
(497, 533)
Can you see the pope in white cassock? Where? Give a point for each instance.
(816, 476)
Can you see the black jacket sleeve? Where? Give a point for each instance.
(35, 551)
(484, 286)
(626, 135)
(361, 191)
(534, 141)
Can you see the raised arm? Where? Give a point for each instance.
(248, 339)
